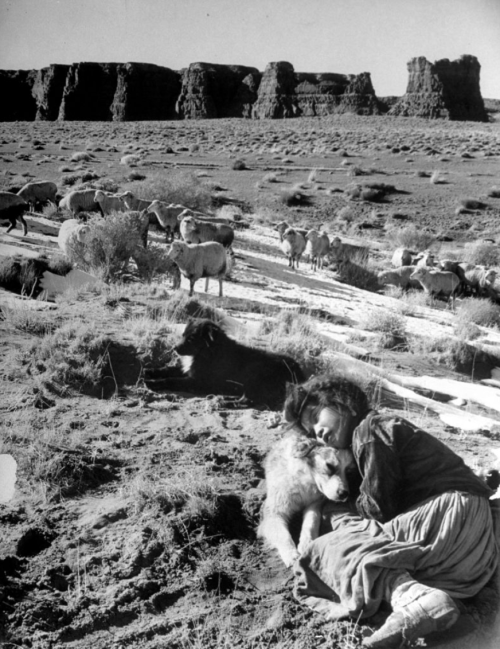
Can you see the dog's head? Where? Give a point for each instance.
(331, 468)
(198, 335)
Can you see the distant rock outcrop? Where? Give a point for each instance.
(285, 93)
(210, 90)
(48, 91)
(17, 101)
(89, 92)
(444, 89)
(145, 92)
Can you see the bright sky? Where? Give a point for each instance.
(344, 36)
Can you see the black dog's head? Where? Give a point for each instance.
(198, 335)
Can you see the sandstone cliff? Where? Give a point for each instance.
(89, 92)
(145, 92)
(17, 101)
(285, 93)
(48, 91)
(142, 91)
(444, 89)
(210, 90)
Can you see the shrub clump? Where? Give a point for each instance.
(478, 311)
(71, 359)
(483, 253)
(112, 242)
(294, 197)
(238, 165)
(359, 272)
(179, 188)
(392, 327)
(413, 238)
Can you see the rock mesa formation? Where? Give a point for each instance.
(285, 93)
(142, 91)
(444, 89)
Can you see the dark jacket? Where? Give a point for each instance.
(402, 465)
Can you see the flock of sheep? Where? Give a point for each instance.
(445, 277)
(203, 248)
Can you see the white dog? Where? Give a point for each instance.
(300, 474)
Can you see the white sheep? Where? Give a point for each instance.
(293, 245)
(109, 202)
(80, 200)
(399, 277)
(133, 203)
(196, 231)
(200, 260)
(425, 258)
(166, 214)
(479, 279)
(70, 232)
(435, 282)
(402, 257)
(317, 247)
(40, 192)
(283, 226)
(12, 207)
(341, 252)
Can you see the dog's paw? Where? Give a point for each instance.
(291, 559)
(304, 545)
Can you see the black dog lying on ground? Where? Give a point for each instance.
(213, 363)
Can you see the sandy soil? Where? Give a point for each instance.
(133, 523)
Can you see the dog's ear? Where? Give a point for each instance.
(304, 447)
(212, 331)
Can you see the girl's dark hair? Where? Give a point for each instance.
(324, 390)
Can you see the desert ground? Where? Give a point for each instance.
(134, 519)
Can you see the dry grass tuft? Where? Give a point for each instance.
(413, 238)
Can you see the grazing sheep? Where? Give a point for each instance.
(12, 207)
(283, 226)
(435, 282)
(38, 193)
(109, 202)
(425, 258)
(341, 251)
(399, 277)
(71, 231)
(317, 247)
(200, 260)
(293, 245)
(133, 203)
(196, 231)
(80, 200)
(479, 279)
(167, 214)
(402, 257)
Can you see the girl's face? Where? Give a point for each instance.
(332, 425)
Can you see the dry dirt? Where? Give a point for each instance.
(133, 523)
